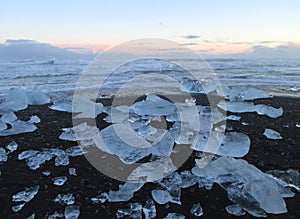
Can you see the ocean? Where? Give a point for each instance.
(279, 76)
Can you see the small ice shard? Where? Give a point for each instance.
(235, 210)
(153, 105)
(72, 172)
(172, 184)
(233, 118)
(100, 198)
(62, 105)
(121, 213)
(55, 215)
(18, 127)
(161, 196)
(269, 111)
(9, 117)
(174, 216)
(31, 216)
(34, 119)
(233, 144)
(152, 171)
(13, 146)
(59, 181)
(74, 151)
(244, 93)
(46, 173)
(17, 208)
(271, 134)
(34, 162)
(79, 132)
(26, 195)
(72, 212)
(125, 192)
(196, 210)
(26, 154)
(3, 155)
(149, 209)
(289, 178)
(297, 124)
(66, 199)
(62, 160)
(293, 89)
(188, 179)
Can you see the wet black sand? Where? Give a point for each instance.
(266, 154)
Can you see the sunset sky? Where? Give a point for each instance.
(214, 27)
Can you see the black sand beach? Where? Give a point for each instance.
(265, 154)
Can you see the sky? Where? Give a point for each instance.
(216, 27)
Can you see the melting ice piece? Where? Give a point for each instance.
(55, 215)
(66, 199)
(121, 213)
(188, 179)
(3, 155)
(152, 171)
(289, 178)
(161, 196)
(72, 212)
(72, 172)
(153, 105)
(17, 208)
(197, 210)
(62, 105)
(3, 126)
(244, 93)
(233, 117)
(125, 192)
(79, 132)
(31, 216)
(100, 198)
(34, 119)
(246, 185)
(86, 107)
(37, 97)
(46, 173)
(235, 210)
(204, 86)
(18, 127)
(149, 209)
(174, 216)
(34, 161)
(26, 154)
(131, 154)
(13, 146)
(117, 114)
(26, 195)
(233, 144)
(271, 134)
(59, 181)
(74, 151)
(269, 111)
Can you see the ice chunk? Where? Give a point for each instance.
(149, 209)
(235, 210)
(152, 171)
(246, 185)
(74, 151)
(46, 173)
(34, 161)
(62, 105)
(26, 154)
(153, 105)
(125, 192)
(174, 216)
(18, 127)
(188, 179)
(13, 105)
(9, 117)
(233, 144)
(13, 146)
(34, 119)
(271, 134)
(244, 93)
(17, 208)
(121, 213)
(204, 86)
(72, 172)
(100, 198)
(233, 117)
(117, 114)
(86, 107)
(3, 126)
(66, 199)
(26, 195)
(269, 111)
(3, 155)
(161, 196)
(196, 210)
(62, 160)
(37, 97)
(72, 212)
(289, 178)
(79, 132)
(59, 181)
(55, 215)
